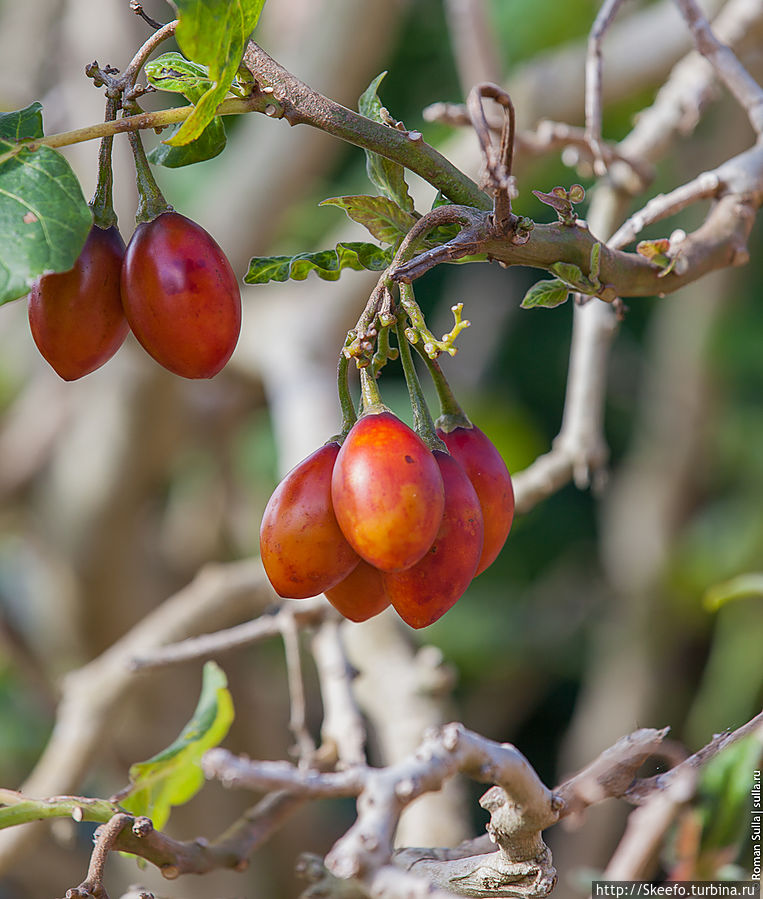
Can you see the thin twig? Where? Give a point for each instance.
(305, 744)
(130, 74)
(139, 11)
(208, 646)
(105, 839)
(343, 733)
(498, 163)
(744, 88)
(593, 82)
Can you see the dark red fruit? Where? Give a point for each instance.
(387, 492)
(302, 548)
(361, 595)
(180, 296)
(76, 317)
(492, 482)
(423, 593)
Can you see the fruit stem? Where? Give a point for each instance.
(346, 404)
(370, 398)
(452, 416)
(102, 204)
(151, 202)
(422, 420)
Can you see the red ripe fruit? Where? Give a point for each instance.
(76, 317)
(302, 548)
(423, 593)
(492, 482)
(180, 296)
(387, 492)
(361, 595)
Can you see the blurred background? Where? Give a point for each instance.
(116, 489)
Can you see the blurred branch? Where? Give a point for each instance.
(91, 695)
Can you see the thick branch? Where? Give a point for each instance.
(302, 105)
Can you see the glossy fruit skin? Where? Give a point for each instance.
(423, 593)
(76, 317)
(387, 492)
(361, 595)
(180, 296)
(302, 548)
(492, 482)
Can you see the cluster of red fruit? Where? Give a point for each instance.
(382, 519)
(173, 287)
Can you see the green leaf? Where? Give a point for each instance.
(44, 219)
(546, 293)
(388, 176)
(569, 273)
(724, 791)
(174, 776)
(327, 264)
(173, 72)
(741, 587)
(386, 221)
(210, 143)
(214, 33)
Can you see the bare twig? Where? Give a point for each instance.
(497, 162)
(305, 745)
(105, 840)
(747, 92)
(343, 734)
(520, 806)
(473, 40)
(90, 696)
(593, 87)
(208, 646)
(139, 11)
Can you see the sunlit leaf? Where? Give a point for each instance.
(741, 587)
(213, 33)
(173, 72)
(174, 775)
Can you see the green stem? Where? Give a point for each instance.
(452, 416)
(143, 121)
(102, 204)
(151, 202)
(422, 420)
(370, 397)
(16, 808)
(345, 399)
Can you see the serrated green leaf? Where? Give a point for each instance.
(386, 221)
(569, 273)
(174, 776)
(386, 175)
(546, 293)
(214, 33)
(327, 264)
(741, 587)
(44, 219)
(724, 791)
